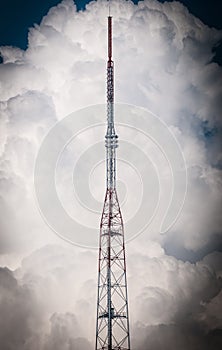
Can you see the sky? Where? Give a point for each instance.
(168, 118)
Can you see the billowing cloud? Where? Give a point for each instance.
(24, 324)
(180, 298)
(22, 319)
(61, 335)
(163, 62)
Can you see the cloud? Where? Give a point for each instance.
(61, 335)
(22, 319)
(25, 322)
(168, 290)
(170, 301)
(163, 293)
(179, 336)
(163, 62)
(177, 303)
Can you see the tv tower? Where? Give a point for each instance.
(112, 324)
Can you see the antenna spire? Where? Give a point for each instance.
(111, 137)
(109, 4)
(109, 39)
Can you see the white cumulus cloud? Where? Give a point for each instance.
(163, 62)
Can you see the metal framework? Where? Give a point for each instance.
(112, 327)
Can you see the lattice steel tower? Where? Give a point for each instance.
(112, 328)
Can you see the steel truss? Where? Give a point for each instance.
(112, 308)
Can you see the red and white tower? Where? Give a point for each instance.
(112, 327)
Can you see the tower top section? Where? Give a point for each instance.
(111, 137)
(109, 40)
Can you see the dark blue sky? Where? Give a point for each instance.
(16, 16)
